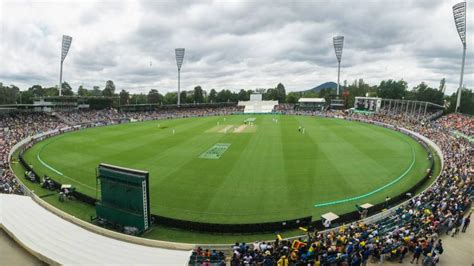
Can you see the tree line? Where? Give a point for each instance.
(389, 89)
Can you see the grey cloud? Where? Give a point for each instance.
(239, 44)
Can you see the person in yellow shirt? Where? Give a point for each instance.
(283, 261)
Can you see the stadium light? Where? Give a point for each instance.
(459, 13)
(338, 42)
(179, 52)
(65, 48)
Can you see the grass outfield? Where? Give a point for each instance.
(270, 171)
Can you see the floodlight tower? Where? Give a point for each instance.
(459, 12)
(338, 42)
(65, 48)
(179, 52)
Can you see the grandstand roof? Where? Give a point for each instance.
(411, 101)
(311, 100)
(50, 237)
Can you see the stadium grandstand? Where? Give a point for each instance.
(410, 231)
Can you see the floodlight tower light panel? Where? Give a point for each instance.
(65, 47)
(459, 13)
(179, 57)
(338, 42)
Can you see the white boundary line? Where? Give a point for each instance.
(61, 174)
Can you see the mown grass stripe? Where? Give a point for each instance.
(373, 191)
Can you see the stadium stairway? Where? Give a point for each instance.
(57, 241)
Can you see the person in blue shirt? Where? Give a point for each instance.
(416, 253)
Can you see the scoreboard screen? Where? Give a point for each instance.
(369, 104)
(124, 196)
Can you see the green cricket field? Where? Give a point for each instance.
(236, 169)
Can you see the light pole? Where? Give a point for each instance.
(338, 42)
(65, 48)
(179, 52)
(459, 13)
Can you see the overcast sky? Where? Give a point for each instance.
(231, 44)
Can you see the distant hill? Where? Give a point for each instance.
(326, 85)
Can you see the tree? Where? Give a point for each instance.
(189, 98)
(292, 97)
(96, 91)
(442, 85)
(357, 88)
(8, 94)
(171, 98)
(280, 93)
(212, 96)
(124, 97)
(324, 93)
(391, 89)
(37, 90)
(234, 97)
(138, 99)
(270, 95)
(66, 89)
(183, 96)
(81, 91)
(224, 96)
(249, 92)
(109, 89)
(467, 101)
(198, 95)
(51, 91)
(243, 95)
(424, 93)
(154, 96)
(25, 97)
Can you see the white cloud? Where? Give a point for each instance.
(231, 45)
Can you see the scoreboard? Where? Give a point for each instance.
(125, 197)
(368, 104)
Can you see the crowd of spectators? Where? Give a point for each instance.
(109, 116)
(13, 128)
(80, 117)
(169, 113)
(413, 115)
(284, 107)
(458, 122)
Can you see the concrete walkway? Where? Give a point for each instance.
(13, 254)
(458, 250)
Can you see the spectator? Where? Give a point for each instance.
(466, 222)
